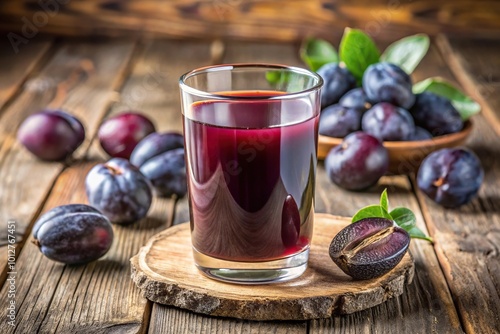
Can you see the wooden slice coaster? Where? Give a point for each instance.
(165, 272)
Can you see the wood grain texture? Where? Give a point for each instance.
(188, 322)
(153, 87)
(16, 66)
(165, 271)
(98, 297)
(467, 238)
(282, 20)
(79, 78)
(470, 263)
(476, 65)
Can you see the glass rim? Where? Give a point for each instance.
(225, 67)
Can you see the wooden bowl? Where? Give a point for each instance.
(405, 156)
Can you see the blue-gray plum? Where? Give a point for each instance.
(337, 81)
(338, 121)
(356, 98)
(451, 176)
(358, 162)
(386, 82)
(119, 190)
(388, 122)
(167, 173)
(51, 135)
(73, 234)
(155, 144)
(436, 114)
(120, 134)
(420, 134)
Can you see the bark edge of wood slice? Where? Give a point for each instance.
(165, 272)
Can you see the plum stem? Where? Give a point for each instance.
(36, 242)
(439, 182)
(114, 170)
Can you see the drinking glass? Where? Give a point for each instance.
(251, 136)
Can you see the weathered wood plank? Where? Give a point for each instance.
(283, 20)
(79, 78)
(189, 322)
(100, 297)
(154, 87)
(467, 238)
(16, 66)
(476, 65)
(97, 297)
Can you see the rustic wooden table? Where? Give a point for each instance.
(457, 281)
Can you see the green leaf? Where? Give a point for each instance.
(384, 201)
(284, 80)
(464, 104)
(358, 51)
(276, 77)
(317, 52)
(371, 211)
(404, 218)
(417, 233)
(407, 52)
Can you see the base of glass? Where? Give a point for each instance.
(265, 272)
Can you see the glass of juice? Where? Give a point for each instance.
(251, 136)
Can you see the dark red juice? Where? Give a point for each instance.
(251, 168)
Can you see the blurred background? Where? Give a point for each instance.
(273, 20)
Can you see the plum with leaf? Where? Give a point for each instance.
(369, 248)
(376, 241)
